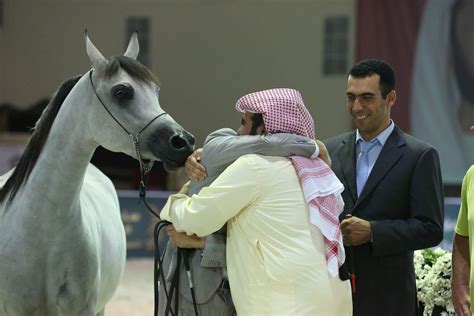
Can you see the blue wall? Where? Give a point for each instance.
(451, 210)
(139, 222)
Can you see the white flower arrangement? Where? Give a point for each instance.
(433, 280)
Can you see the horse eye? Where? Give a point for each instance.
(122, 92)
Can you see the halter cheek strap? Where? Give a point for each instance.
(144, 167)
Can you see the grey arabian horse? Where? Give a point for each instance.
(62, 242)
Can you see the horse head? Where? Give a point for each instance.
(129, 117)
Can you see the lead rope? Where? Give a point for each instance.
(182, 253)
(185, 254)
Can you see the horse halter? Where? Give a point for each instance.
(144, 167)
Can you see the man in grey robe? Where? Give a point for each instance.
(207, 256)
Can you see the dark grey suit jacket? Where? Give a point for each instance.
(403, 200)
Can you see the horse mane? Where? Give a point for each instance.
(134, 68)
(38, 139)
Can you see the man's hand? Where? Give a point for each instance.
(194, 169)
(323, 152)
(461, 299)
(355, 231)
(182, 240)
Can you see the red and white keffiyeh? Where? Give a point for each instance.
(283, 111)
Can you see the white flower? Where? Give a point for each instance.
(433, 279)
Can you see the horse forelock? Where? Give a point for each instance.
(134, 68)
(37, 141)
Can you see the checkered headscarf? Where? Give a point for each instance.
(283, 111)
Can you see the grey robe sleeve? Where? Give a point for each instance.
(222, 148)
(214, 250)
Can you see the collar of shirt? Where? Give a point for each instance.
(382, 137)
(380, 140)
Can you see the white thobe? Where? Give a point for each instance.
(275, 257)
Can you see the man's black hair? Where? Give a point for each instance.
(370, 67)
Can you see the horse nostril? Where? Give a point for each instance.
(178, 142)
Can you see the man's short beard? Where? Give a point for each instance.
(253, 130)
(257, 121)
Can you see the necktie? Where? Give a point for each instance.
(362, 165)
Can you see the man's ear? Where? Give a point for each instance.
(391, 98)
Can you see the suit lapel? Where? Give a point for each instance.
(389, 156)
(346, 156)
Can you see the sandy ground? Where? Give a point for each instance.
(134, 296)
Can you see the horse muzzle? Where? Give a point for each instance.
(172, 146)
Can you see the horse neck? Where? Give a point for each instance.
(60, 170)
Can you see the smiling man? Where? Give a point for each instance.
(393, 195)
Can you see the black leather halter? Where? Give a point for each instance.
(144, 167)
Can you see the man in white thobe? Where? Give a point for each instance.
(283, 239)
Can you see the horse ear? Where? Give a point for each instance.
(96, 58)
(133, 47)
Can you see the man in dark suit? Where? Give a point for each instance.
(393, 196)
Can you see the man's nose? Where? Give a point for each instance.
(357, 105)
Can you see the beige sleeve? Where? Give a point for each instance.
(206, 212)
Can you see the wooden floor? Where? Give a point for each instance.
(134, 296)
